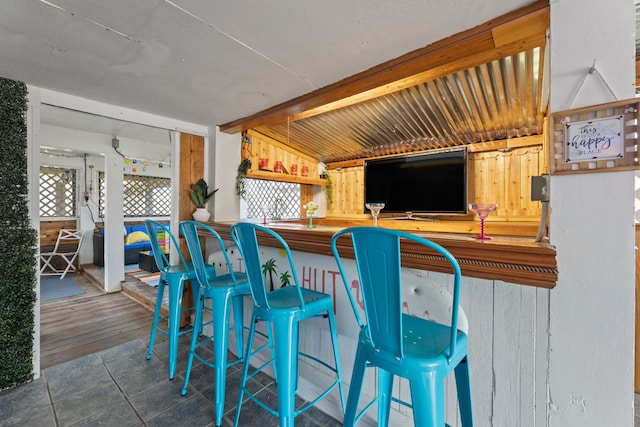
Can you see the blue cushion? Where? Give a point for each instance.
(140, 245)
(132, 228)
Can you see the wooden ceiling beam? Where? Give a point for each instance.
(506, 35)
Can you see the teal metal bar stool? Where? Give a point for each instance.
(422, 351)
(172, 276)
(283, 309)
(222, 290)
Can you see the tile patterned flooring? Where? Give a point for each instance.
(119, 387)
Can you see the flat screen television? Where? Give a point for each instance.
(425, 183)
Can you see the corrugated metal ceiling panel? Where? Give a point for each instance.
(498, 100)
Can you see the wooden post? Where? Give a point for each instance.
(191, 170)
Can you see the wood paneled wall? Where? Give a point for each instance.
(264, 147)
(505, 178)
(49, 232)
(348, 192)
(502, 177)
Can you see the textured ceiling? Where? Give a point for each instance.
(210, 62)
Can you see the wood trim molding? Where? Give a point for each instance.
(517, 261)
(505, 35)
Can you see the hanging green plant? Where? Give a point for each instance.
(328, 190)
(241, 177)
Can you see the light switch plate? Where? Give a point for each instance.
(540, 188)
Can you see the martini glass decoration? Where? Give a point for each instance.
(482, 210)
(311, 209)
(265, 210)
(375, 208)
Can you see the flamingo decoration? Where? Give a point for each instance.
(356, 285)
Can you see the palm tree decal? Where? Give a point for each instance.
(269, 267)
(285, 279)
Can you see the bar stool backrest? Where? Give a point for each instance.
(162, 259)
(378, 259)
(245, 236)
(190, 230)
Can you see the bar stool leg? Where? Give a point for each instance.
(336, 357)
(238, 323)
(355, 388)
(156, 317)
(245, 368)
(175, 306)
(463, 385)
(385, 389)
(428, 387)
(197, 321)
(286, 331)
(221, 312)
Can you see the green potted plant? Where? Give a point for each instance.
(200, 196)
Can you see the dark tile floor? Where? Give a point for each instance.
(119, 387)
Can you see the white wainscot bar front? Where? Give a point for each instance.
(508, 342)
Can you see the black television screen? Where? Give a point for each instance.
(430, 183)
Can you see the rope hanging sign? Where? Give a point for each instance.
(600, 138)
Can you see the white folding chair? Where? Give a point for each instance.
(66, 240)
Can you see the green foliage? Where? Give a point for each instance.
(285, 279)
(329, 188)
(269, 267)
(200, 194)
(17, 241)
(243, 168)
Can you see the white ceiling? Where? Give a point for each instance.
(79, 120)
(210, 62)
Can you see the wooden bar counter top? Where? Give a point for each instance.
(518, 260)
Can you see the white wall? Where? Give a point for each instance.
(591, 320)
(225, 157)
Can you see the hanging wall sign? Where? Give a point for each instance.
(596, 139)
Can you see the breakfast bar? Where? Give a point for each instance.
(505, 323)
(517, 260)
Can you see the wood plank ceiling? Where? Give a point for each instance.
(485, 84)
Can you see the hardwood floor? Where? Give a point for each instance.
(81, 325)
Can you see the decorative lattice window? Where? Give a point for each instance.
(58, 192)
(144, 196)
(278, 200)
